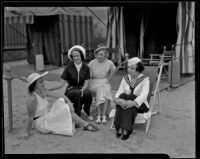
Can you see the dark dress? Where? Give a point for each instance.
(75, 83)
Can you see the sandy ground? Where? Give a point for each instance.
(172, 132)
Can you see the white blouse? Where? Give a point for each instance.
(141, 90)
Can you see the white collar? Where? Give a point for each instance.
(78, 67)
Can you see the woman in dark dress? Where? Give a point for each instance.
(76, 74)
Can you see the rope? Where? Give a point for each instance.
(96, 17)
(18, 31)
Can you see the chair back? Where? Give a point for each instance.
(151, 72)
(168, 55)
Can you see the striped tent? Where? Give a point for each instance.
(115, 30)
(53, 31)
(185, 49)
(75, 30)
(13, 17)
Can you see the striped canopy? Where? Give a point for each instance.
(11, 17)
(75, 29)
(115, 29)
(185, 48)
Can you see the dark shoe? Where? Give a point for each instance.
(77, 126)
(118, 135)
(125, 137)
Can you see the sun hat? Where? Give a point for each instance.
(34, 76)
(99, 49)
(76, 47)
(133, 61)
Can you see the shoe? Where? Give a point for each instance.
(98, 119)
(118, 135)
(125, 137)
(90, 127)
(77, 126)
(104, 119)
(90, 118)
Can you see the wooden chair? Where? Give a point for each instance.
(151, 72)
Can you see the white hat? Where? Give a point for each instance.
(78, 47)
(34, 76)
(133, 61)
(99, 49)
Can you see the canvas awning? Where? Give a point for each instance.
(75, 29)
(12, 17)
(26, 14)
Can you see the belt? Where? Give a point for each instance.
(36, 117)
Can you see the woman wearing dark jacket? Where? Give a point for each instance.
(76, 75)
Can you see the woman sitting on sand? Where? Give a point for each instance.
(57, 119)
(131, 98)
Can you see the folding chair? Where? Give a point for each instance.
(145, 118)
(164, 58)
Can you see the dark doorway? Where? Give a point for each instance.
(44, 37)
(160, 21)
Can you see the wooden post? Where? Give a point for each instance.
(9, 84)
(126, 55)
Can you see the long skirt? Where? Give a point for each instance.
(124, 118)
(57, 121)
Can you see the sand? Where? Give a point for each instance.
(171, 132)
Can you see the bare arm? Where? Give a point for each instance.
(112, 71)
(85, 86)
(60, 85)
(57, 95)
(31, 108)
(120, 102)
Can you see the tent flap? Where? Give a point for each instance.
(185, 40)
(115, 29)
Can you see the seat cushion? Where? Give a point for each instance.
(142, 117)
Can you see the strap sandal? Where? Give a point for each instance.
(90, 127)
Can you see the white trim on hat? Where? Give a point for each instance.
(99, 48)
(133, 61)
(34, 76)
(76, 47)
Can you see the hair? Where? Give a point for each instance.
(106, 53)
(140, 67)
(31, 88)
(81, 54)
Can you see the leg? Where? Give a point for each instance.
(78, 120)
(74, 95)
(105, 107)
(87, 101)
(98, 114)
(86, 125)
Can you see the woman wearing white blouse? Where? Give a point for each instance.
(131, 98)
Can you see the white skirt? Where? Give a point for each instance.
(101, 89)
(57, 121)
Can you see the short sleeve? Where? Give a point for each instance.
(65, 74)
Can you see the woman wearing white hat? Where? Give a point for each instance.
(131, 98)
(56, 119)
(101, 70)
(77, 74)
